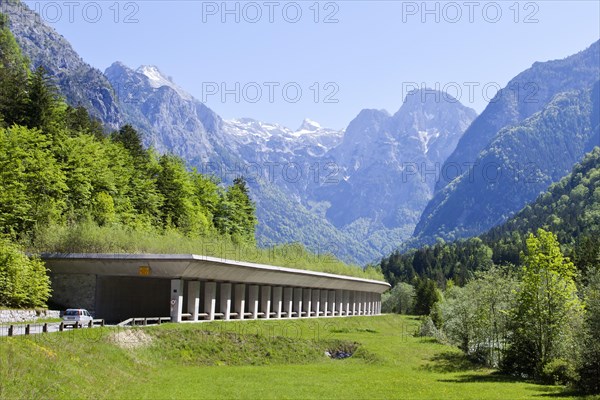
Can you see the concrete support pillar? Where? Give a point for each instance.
(288, 301)
(378, 303)
(306, 302)
(225, 303)
(346, 302)
(210, 299)
(240, 300)
(365, 302)
(324, 311)
(332, 302)
(193, 299)
(277, 301)
(369, 303)
(253, 301)
(361, 303)
(373, 303)
(339, 298)
(358, 297)
(176, 299)
(353, 302)
(316, 302)
(265, 301)
(298, 302)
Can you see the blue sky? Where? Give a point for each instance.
(284, 61)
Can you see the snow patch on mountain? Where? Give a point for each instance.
(157, 80)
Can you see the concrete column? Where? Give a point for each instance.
(210, 299)
(176, 299)
(316, 302)
(361, 303)
(288, 301)
(373, 303)
(306, 302)
(265, 301)
(193, 299)
(339, 298)
(253, 301)
(298, 302)
(353, 302)
(332, 298)
(277, 301)
(225, 300)
(369, 303)
(240, 300)
(346, 302)
(324, 303)
(365, 302)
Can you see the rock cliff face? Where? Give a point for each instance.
(78, 82)
(530, 136)
(389, 161)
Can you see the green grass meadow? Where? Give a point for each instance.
(282, 359)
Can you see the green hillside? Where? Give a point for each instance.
(570, 209)
(266, 359)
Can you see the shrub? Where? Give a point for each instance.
(559, 371)
(23, 280)
(428, 329)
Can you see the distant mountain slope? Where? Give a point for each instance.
(570, 209)
(386, 161)
(529, 138)
(170, 118)
(303, 226)
(519, 164)
(524, 95)
(78, 82)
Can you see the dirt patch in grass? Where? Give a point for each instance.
(131, 338)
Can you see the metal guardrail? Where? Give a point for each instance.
(144, 321)
(31, 328)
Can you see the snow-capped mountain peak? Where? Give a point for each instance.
(309, 126)
(157, 79)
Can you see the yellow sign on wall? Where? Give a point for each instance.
(144, 271)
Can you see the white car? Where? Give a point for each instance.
(74, 316)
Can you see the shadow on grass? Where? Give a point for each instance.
(450, 361)
(496, 377)
(562, 393)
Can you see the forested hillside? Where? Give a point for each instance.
(57, 167)
(570, 209)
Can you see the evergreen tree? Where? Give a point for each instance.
(132, 141)
(426, 295)
(43, 103)
(14, 72)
